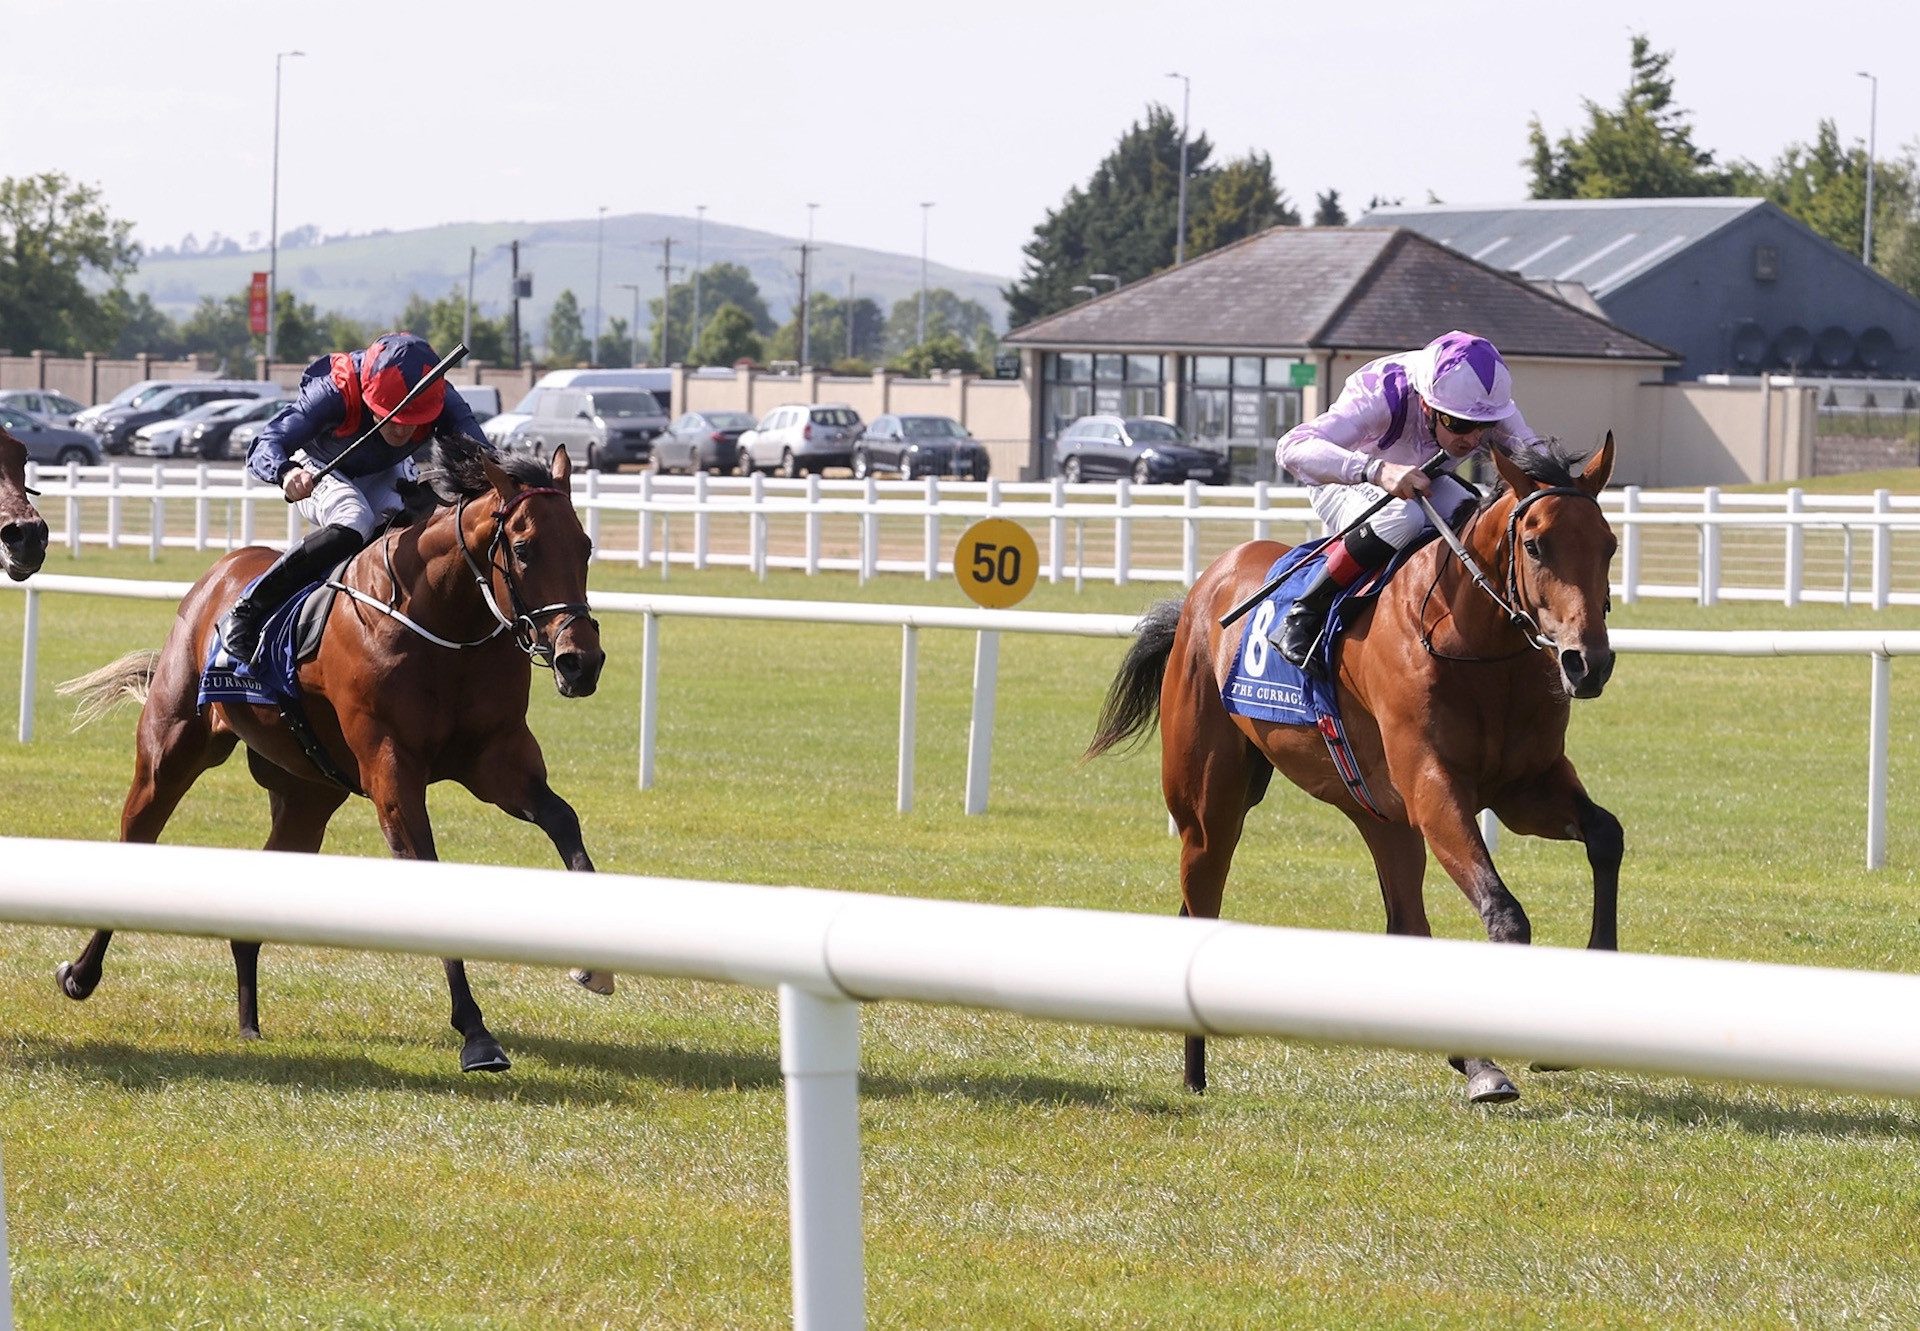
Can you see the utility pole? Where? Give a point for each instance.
(466, 321)
(806, 253)
(699, 262)
(667, 270)
(1180, 226)
(273, 222)
(1873, 116)
(849, 316)
(926, 211)
(599, 234)
(516, 304)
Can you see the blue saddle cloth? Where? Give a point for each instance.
(270, 681)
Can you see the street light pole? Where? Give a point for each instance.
(1873, 115)
(926, 211)
(273, 224)
(1180, 226)
(599, 235)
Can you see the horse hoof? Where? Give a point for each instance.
(1491, 1086)
(249, 1032)
(69, 986)
(483, 1054)
(594, 982)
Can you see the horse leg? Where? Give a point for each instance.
(1557, 808)
(173, 746)
(1440, 807)
(511, 773)
(398, 789)
(301, 810)
(1208, 792)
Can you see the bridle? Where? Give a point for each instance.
(1517, 615)
(525, 624)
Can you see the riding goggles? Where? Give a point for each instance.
(1460, 425)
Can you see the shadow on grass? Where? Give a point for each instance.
(133, 1068)
(1709, 1106)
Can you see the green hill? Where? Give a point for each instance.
(370, 277)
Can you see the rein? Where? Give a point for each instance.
(525, 622)
(1509, 605)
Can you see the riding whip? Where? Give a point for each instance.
(427, 380)
(1431, 469)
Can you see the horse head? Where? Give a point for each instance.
(1559, 550)
(23, 532)
(540, 551)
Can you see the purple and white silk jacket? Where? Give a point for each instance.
(1377, 415)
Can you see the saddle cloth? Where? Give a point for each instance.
(291, 635)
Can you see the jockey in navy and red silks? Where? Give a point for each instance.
(1453, 395)
(341, 397)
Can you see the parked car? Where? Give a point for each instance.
(50, 445)
(166, 438)
(88, 418)
(116, 427)
(657, 382)
(1146, 448)
(799, 438)
(53, 408)
(602, 427)
(482, 399)
(919, 446)
(207, 432)
(701, 441)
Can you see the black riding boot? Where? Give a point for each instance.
(304, 562)
(1305, 619)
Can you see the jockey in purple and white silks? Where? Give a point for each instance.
(1454, 395)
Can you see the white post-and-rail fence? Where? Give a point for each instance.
(1879, 647)
(660, 505)
(826, 952)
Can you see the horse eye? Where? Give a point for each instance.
(1532, 544)
(520, 550)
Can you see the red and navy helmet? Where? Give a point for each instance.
(388, 371)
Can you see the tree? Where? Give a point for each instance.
(1825, 185)
(946, 313)
(54, 236)
(827, 331)
(1327, 210)
(720, 284)
(443, 322)
(1124, 219)
(616, 344)
(727, 337)
(566, 334)
(944, 351)
(1642, 150)
(143, 326)
(1237, 201)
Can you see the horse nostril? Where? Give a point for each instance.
(567, 663)
(1574, 663)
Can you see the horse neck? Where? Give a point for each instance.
(434, 576)
(1480, 626)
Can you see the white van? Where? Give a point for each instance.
(482, 399)
(657, 382)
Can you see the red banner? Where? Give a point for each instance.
(257, 304)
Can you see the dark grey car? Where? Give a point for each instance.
(919, 446)
(50, 445)
(1145, 448)
(701, 441)
(602, 427)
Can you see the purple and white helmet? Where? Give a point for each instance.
(1462, 375)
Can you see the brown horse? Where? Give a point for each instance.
(392, 708)
(1453, 702)
(23, 533)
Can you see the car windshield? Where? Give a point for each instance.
(931, 427)
(625, 404)
(206, 411)
(16, 420)
(730, 420)
(835, 416)
(1148, 431)
(146, 397)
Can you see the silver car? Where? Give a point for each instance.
(801, 437)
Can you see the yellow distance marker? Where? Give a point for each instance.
(996, 563)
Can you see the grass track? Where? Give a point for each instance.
(630, 1170)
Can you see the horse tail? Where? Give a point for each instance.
(102, 690)
(1133, 699)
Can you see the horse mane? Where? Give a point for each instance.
(454, 471)
(1552, 465)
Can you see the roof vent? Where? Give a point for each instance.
(1793, 347)
(1876, 348)
(1834, 347)
(1749, 345)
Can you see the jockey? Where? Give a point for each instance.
(1454, 395)
(341, 396)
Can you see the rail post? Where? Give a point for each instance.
(820, 1064)
(757, 527)
(1709, 546)
(813, 525)
(201, 501)
(1190, 536)
(1882, 549)
(1057, 532)
(986, 674)
(73, 509)
(29, 662)
(593, 508)
(931, 529)
(1877, 713)
(1262, 501)
(247, 484)
(1122, 533)
(113, 504)
(909, 713)
(644, 542)
(1796, 570)
(870, 532)
(1630, 545)
(649, 694)
(702, 521)
(157, 514)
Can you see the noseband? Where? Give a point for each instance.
(525, 624)
(1519, 617)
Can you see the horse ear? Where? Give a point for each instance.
(504, 485)
(1594, 479)
(562, 464)
(1517, 481)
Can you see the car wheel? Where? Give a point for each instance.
(980, 469)
(862, 464)
(1070, 471)
(789, 465)
(746, 463)
(73, 453)
(1142, 474)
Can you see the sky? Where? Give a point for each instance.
(411, 116)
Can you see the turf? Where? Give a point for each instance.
(630, 1170)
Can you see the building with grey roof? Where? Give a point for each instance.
(1735, 286)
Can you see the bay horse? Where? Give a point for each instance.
(1452, 703)
(23, 532)
(420, 677)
